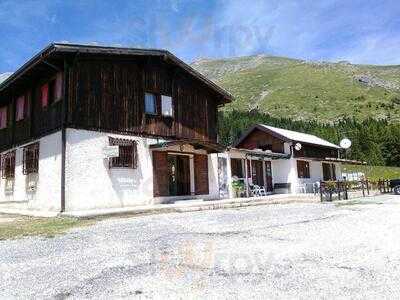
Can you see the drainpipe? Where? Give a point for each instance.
(64, 114)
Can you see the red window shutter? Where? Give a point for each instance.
(20, 114)
(45, 95)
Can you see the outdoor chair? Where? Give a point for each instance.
(301, 188)
(258, 191)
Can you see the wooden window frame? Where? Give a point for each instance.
(332, 171)
(237, 164)
(128, 155)
(172, 107)
(30, 159)
(8, 165)
(155, 96)
(303, 169)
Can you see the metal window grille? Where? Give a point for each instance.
(127, 154)
(30, 163)
(8, 165)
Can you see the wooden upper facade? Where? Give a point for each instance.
(105, 89)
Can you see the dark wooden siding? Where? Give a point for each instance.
(160, 172)
(109, 95)
(258, 139)
(201, 174)
(309, 151)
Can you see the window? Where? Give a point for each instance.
(150, 103)
(8, 165)
(167, 109)
(303, 169)
(127, 154)
(20, 108)
(30, 163)
(58, 87)
(52, 91)
(3, 117)
(264, 147)
(44, 95)
(236, 167)
(329, 171)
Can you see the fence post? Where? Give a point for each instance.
(338, 188)
(320, 190)
(384, 186)
(362, 186)
(367, 186)
(380, 186)
(346, 195)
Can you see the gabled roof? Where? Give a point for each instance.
(61, 48)
(289, 136)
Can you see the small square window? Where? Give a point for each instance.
(167, 107)
(150, 104)
(128, 155)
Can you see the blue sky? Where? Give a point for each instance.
(357, 31)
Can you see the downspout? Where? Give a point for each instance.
(64, 114)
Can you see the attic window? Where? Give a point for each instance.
(127, 154)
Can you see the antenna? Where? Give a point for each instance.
(345, 143)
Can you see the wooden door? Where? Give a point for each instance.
(179, 175)
(268, 176)
(257, 172)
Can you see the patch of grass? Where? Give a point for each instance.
(48, 227)
(374, 172)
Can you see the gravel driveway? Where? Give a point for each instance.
(275, 251)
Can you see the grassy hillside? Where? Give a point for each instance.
(303, 90)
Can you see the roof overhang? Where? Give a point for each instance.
(197, 145)
(262, 154)
(59, 48)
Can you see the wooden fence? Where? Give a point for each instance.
(341, 190)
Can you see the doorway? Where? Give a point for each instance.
(268, 176)
(257, 172)
(179, 175)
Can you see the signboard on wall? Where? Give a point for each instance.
(110, 151)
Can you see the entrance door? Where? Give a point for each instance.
(179, 175)
(257, 172)
(268, 176)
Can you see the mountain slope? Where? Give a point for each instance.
(303, 90)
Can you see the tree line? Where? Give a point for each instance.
(375, 141)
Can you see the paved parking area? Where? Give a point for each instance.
(293, 251)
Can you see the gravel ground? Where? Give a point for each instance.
(275, 251)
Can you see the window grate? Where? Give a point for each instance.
(8, 165)
(127, 154)
(30, 163)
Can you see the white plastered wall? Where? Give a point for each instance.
(91, 184)
(40, 191)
